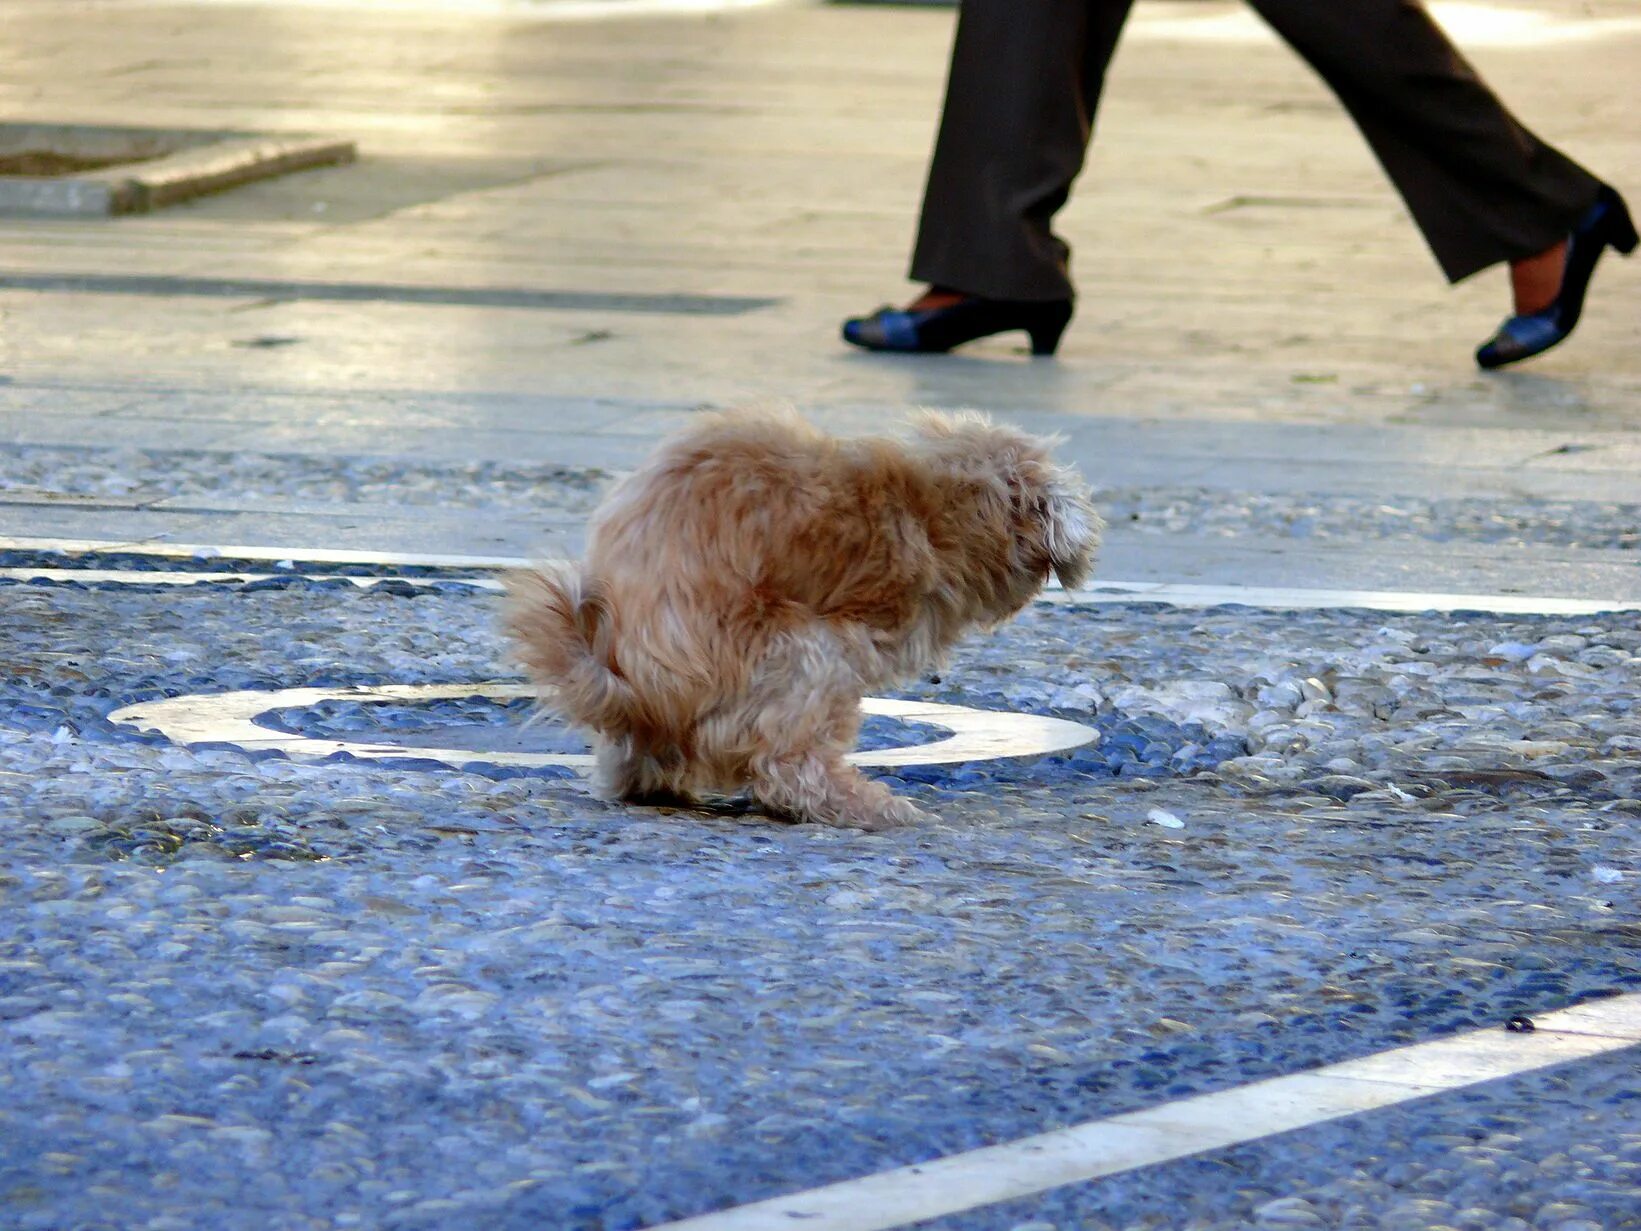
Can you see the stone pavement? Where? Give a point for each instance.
(241, 990)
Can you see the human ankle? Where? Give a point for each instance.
(1535, 281)
(935, 298)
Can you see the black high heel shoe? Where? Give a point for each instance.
(937, 330)
(1532, 333)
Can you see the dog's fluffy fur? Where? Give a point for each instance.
(755, 578)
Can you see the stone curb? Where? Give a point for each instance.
(232, 160)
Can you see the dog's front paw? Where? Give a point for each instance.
(889, 813)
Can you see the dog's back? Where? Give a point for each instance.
(633, 644)
(757, 514)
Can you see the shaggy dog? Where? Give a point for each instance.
(755, 578)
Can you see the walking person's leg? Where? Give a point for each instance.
(1024, 84)
(1480, 186)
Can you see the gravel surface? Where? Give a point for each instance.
(1216, 513)
(246, 992)
(146, 475)
(142, 476)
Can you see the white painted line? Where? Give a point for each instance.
(1293, 597)
(159, 577)
(1174, 594)
(230, 718)
(1188, 1126)
(310, 555)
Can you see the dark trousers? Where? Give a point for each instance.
(1026, 78)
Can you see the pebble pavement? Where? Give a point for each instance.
(137, 475)
(248, 992)
(81, 473)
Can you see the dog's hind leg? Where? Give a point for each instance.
(618, 771)
(821, 786)
(623, 771)
(802, 726)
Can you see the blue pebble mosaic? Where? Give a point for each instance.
(1143, 746)
(466, 722)
(449, 998)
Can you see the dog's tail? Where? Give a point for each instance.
(562, 625)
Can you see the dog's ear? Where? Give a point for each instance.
(1071, 527)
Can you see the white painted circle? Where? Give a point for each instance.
(230, 718)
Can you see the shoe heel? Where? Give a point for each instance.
(1615, 226)
(1623, 237)
(1046, 331)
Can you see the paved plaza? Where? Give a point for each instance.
(1286, 878)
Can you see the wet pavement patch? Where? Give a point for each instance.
(162, 840)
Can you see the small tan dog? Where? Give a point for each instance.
(755, 578)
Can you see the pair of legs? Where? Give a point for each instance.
(786, 740)
(807, 781)
(1020, 107)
